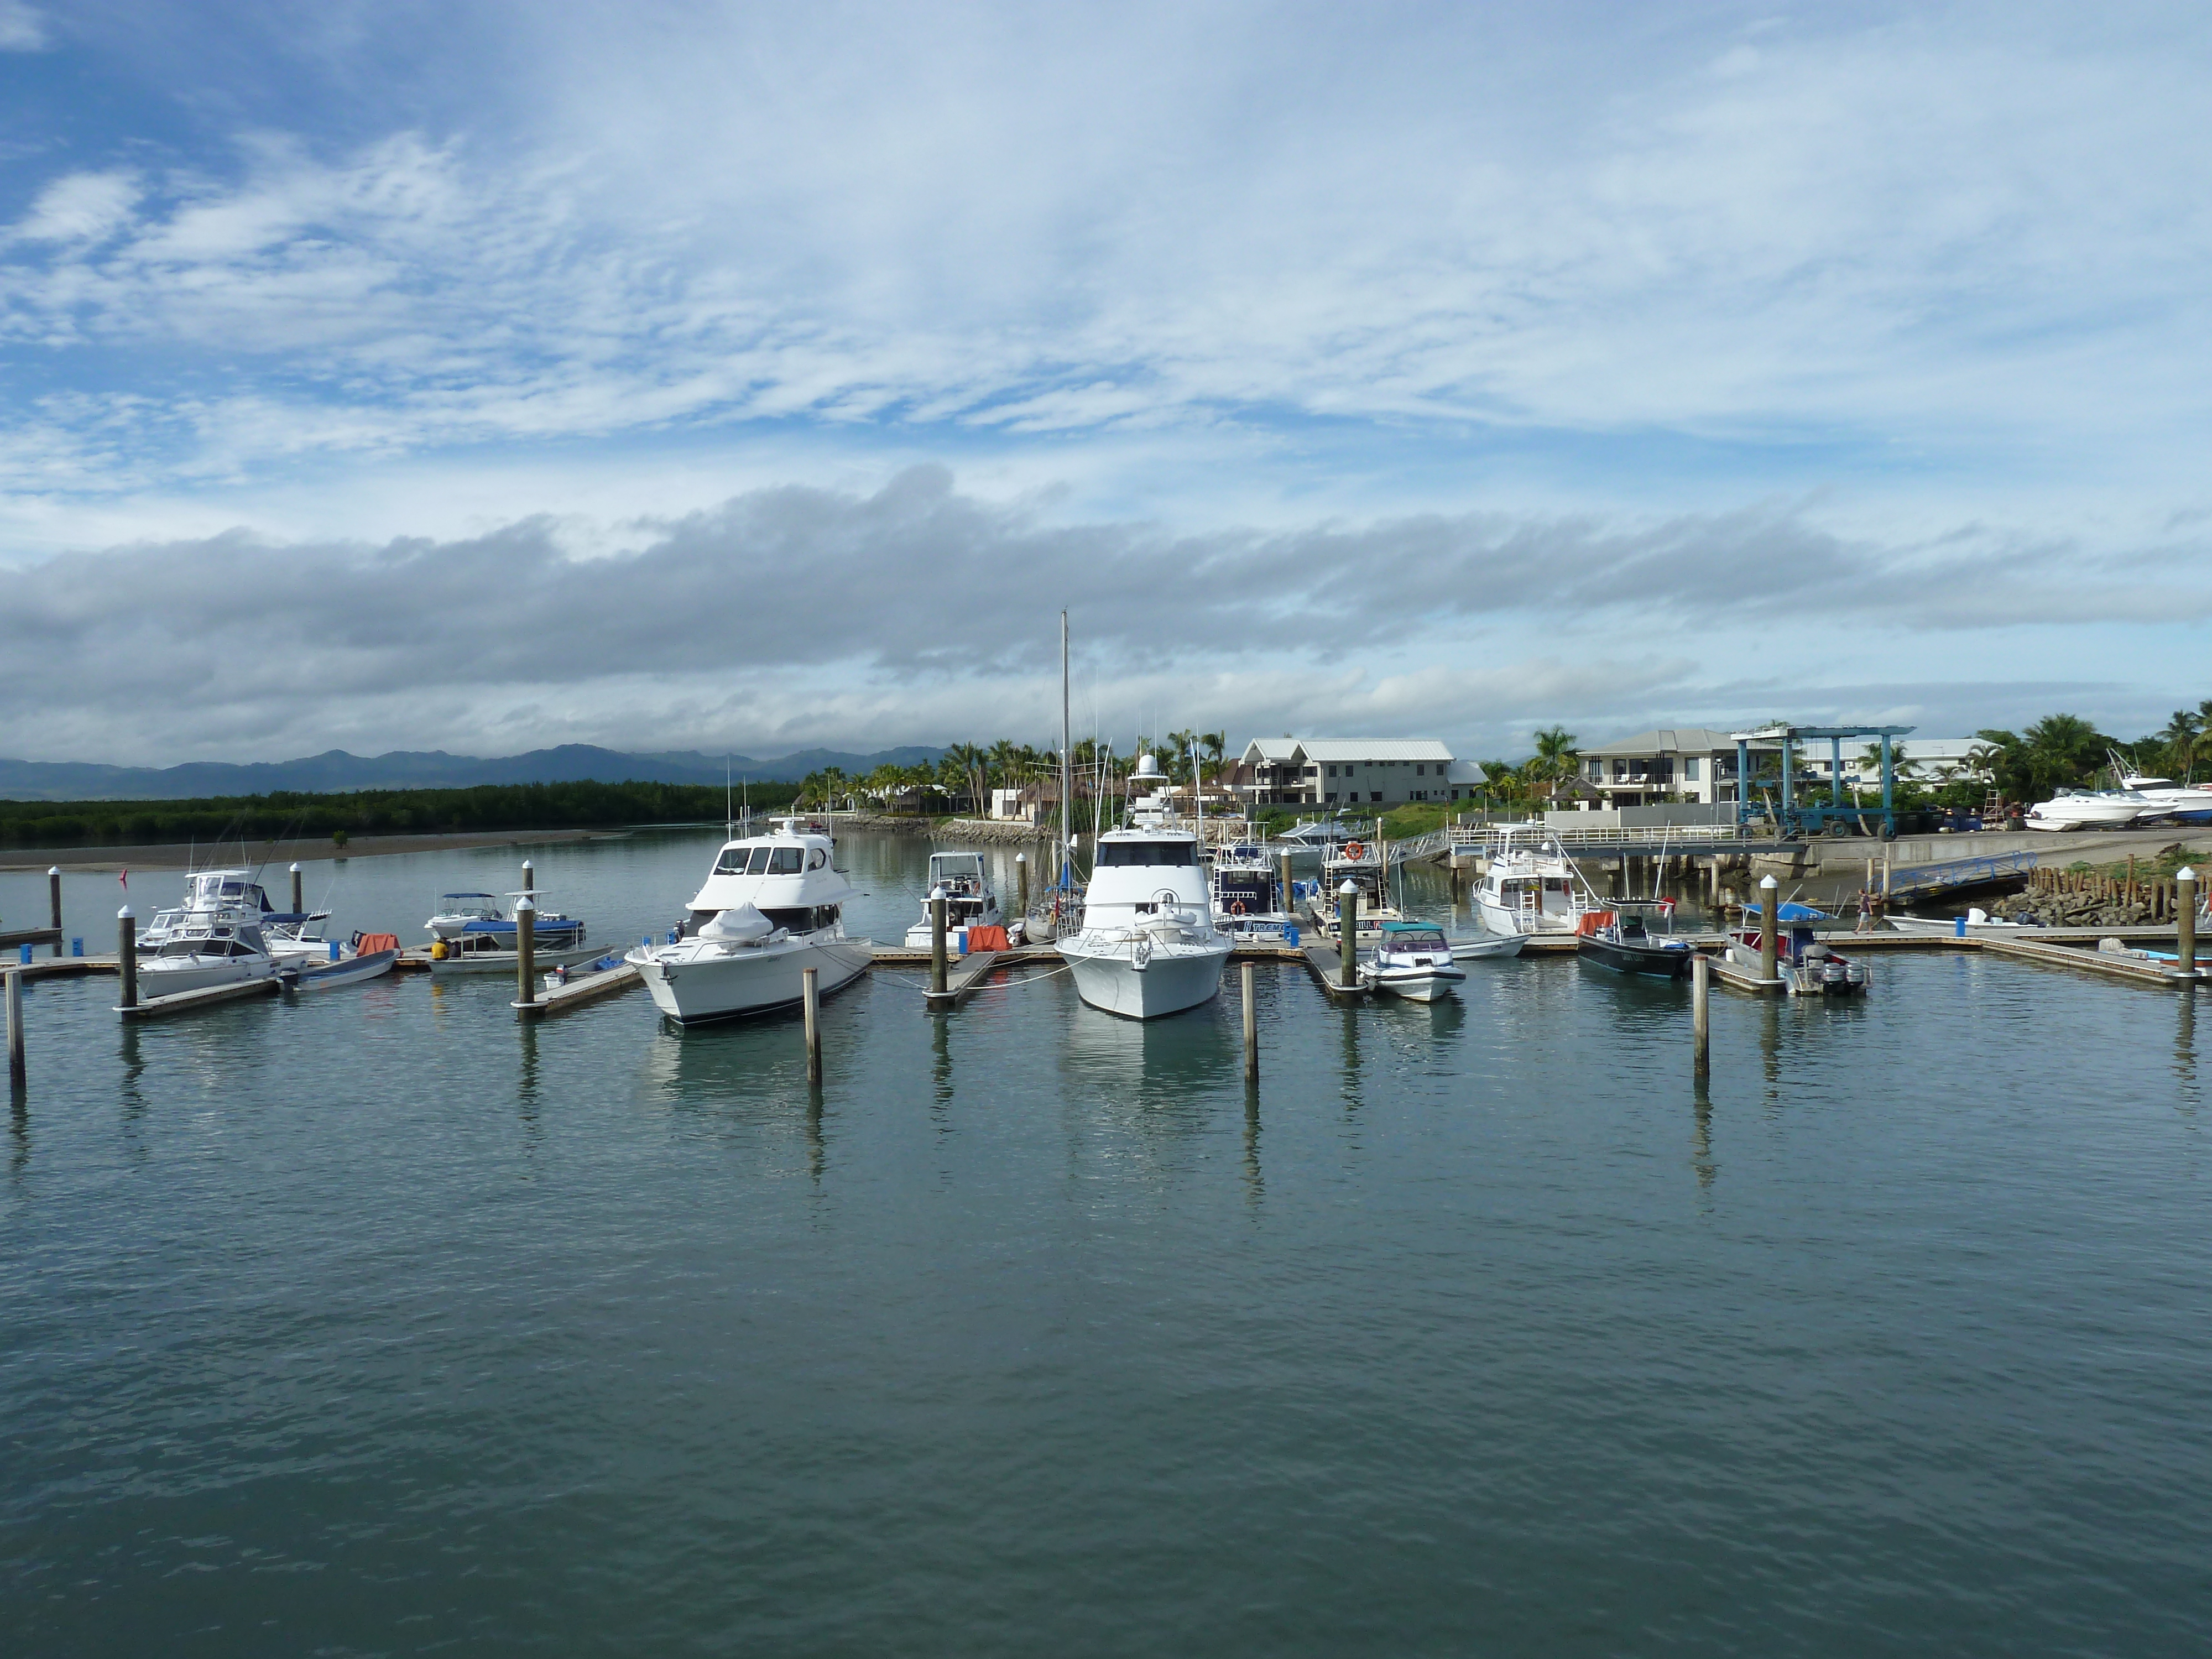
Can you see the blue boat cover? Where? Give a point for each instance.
(1793, 911)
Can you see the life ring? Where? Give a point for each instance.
(1236, 908)
(1355, 851)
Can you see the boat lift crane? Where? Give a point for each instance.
(1793, 817)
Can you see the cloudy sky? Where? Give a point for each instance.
(482, 376)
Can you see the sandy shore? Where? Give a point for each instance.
(181, 855)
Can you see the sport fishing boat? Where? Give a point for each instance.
(1248, 897)
(205, 891)
(771, 907)
(2084, 809)
(1808, 964)
(1532, 886)
(1635, 936)
(1413, 959)
(2171, 802)
(1147, 945)
(969, 900)
(1367, 868)
(216, 941)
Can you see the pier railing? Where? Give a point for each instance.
(1664, 837)
(1916, 880)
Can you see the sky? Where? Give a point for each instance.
(479, 377)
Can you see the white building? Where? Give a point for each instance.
(1685, 764)
(1344, 772)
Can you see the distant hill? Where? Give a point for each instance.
(336, 769)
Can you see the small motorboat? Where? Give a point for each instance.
(969, 900)
(491, 944)
(306, 961)
(1483, 947)
(1807, 965)
(1976, 921)
(1635, 936)
(1413, 960)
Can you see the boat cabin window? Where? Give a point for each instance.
(802, 919)
(733, 861)
(787, 861)
(1146, 853)
(816, 857)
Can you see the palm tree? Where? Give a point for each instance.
(2180, 740)
(2063, 749)
(1217, 746)
(1556, 754)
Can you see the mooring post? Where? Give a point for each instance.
(17, 1076)
(529, 880)
(1770, 919)
(2185, 918)
(1282, 898)
(1889, 868)
(126, 954)
(1701, 1013)
(1347, 928)
(54, 903)
(1022, 879)
(299, 904)
(526, 950)
(1251, 1029)
(937, 941)
(810, 985)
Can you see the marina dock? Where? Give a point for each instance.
(590, 988)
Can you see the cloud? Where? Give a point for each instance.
(786, 610)
(79, 207)
(22, 28)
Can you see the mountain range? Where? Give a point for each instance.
(402, 768)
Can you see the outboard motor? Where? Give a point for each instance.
(1835, 978)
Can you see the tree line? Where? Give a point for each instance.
(293, 813)
(966, 773)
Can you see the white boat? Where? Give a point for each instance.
(1365, 864)
(771, 907)
(1977, 921)
(1491, 945)
(216, 941)
(1248, 897)
(1532, 886)
(205, 891)
(1148, 946)
(969, 900)
(1413, 960)
(2083, 809)
(307, 961)
(2182, 803)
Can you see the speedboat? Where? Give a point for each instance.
(1147, 947)
(1635, 936)
(1413, 960)
(2102, 808)
(969, 900)
(771, 907)
(2181, 803)
(1975, 921)
(456, 911)
(306, 961)
(1487, 946)
(492, 944)
(1532, 886)
(1807, 965)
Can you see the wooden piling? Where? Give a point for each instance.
(811, 982)
(17, 1075)
(937, 943)
(1251, 1028)
(1701, 1014)
(126, 955)
(525, 951)
(1022, 880)
(1282, 898)
(54, 903)
(1347, 927)
(1770, 922)
(2184, 919)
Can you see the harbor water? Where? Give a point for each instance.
(374, 1322)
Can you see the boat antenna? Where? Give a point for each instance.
(1066, 769)
(729, 813)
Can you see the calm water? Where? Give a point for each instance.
(375, 1324)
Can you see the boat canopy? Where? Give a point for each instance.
(1789, 912)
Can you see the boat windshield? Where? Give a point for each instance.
(1415, 939)
(1147, 853)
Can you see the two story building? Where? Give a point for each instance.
(1673, 763)
(1345, 772)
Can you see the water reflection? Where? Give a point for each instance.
(2185, 1048)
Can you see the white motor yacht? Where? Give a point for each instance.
(1366, 865)
(969, 900)
(771, 907)
(2103, 808)
(216, 941)
(2182, 803)
(1148, 946)
(1532, 886)
(1413, 960)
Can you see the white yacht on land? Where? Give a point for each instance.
(1533, 887)
(771, 907)
(1148, 946)
(969, 900)
(2104, 808)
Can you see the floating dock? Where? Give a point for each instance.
(184, 1002)
(589, 989)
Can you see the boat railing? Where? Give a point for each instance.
(1500, 837)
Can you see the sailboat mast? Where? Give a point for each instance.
(1066, 769)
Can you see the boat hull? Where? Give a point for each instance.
(330, 975)
(745, 983)
(1508, 944)
(162, 981)
(1500, 919)
(1110, 981)
(1652, 962)
(504, 961)
(1417, 984)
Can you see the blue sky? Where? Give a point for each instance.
(780, 372)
